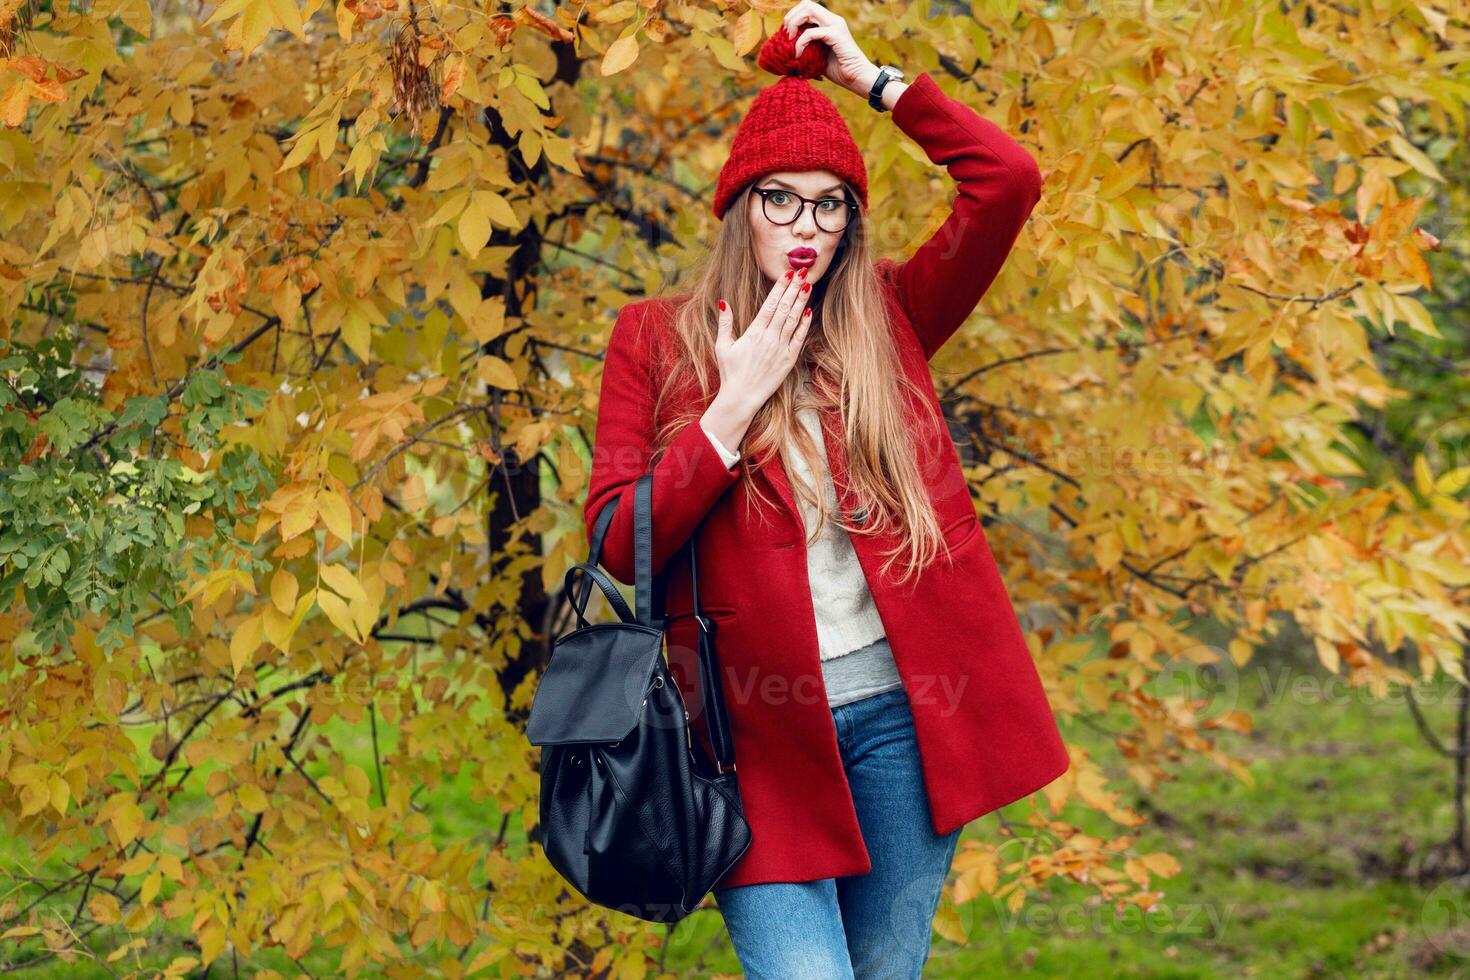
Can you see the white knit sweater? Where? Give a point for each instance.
(846, 617)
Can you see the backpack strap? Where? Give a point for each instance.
(643, 585)
(650, 591)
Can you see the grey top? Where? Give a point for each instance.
(855, 656)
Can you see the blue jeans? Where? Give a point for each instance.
(875, 926)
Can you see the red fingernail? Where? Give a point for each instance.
(807, 311)
(803, 273)
(805, 286)
(788, 273)
(722, 305)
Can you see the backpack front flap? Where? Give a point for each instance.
(593, 688)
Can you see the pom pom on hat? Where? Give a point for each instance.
(778, 56)
(791, 126)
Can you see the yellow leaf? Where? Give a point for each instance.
(620, 54)
(947, 923)
(169, 864)
(343, 581)
(151, 884)
(218, 326)
(137, 15)
(529, 144)
(1327, 653)
(279, 628)
(14, 103)
(1454, 481)
(244, 641)
(300, 516)
(450, 205)
(338, 613)
(137, 864)
(1417, 316)
(211, 940)
(413, 495)
(336, 513)
(1415, 157)
(127, 820)
(252, 798)
(486, 958)
(531, 88)
(104, 908)
(724, 53)
(747, 32)
(358, 784)
(230, 8)
(327, 132)
(560, 152)
(357, 334)
(1162, 864)
(499, 209)
(1423, 478)
(285, 298)
(306, 141)
(616, 13)
(182, 107)
(286, 14)
(496, 373)
(283, 591)
(474, 226)
(1108, 551)
(488, 320)
(364, 616)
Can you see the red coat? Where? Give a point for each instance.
(986, 734)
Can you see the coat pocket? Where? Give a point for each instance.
(711, 611)
(961, 530)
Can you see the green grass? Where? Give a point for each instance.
(1310, 872)
(1307, 873)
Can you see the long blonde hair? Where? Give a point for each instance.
(849, 361)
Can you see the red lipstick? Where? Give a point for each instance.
(801, 258)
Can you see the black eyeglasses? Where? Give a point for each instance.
(782, 207)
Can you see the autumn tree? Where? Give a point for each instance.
(304, 309)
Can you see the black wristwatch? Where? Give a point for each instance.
(886, 74)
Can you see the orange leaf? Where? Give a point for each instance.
(543, 23)
(30, 66)
(48, 90)
(14, 103)
(453, 78)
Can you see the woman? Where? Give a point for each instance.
(879, 689)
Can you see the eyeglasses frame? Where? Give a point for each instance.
(801, 208)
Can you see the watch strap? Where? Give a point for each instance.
(886, 74)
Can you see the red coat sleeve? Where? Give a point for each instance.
(688, 476)
(998, 186)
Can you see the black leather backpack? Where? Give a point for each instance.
(635, 814)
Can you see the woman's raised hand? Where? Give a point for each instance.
(847, 66)
(756, 363)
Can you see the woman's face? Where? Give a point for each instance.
(802, 244)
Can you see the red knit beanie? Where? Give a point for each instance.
(791, 126)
